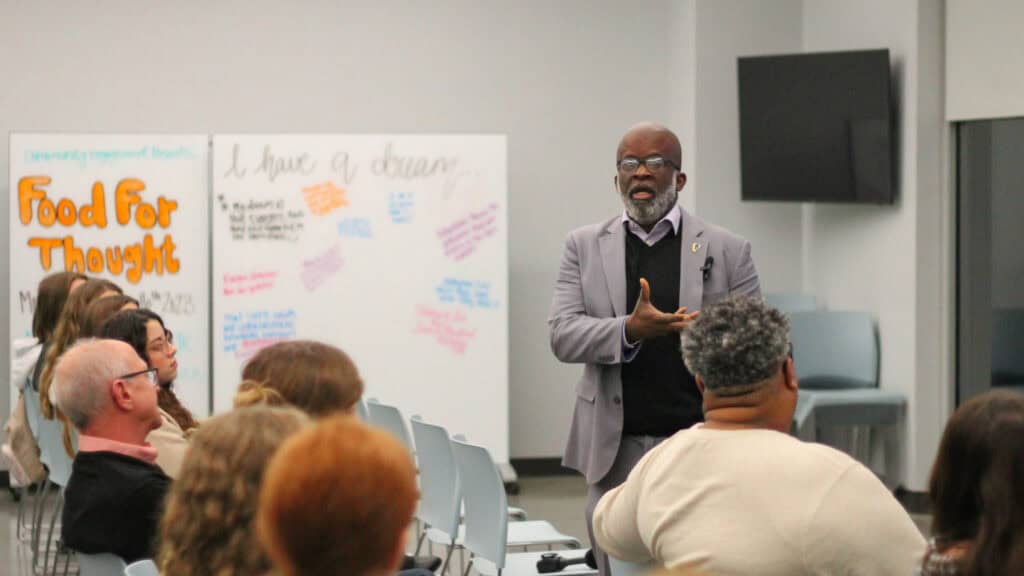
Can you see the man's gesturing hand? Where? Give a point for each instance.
(646, 321)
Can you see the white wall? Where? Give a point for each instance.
(984, 53)
(725, 30)
(887, 259)
(562, 79)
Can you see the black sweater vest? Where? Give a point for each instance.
(660, 396)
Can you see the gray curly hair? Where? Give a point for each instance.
(736, 345)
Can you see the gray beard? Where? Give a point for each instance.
(648, 213)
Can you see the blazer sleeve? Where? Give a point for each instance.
(576, 336)
(743, 279)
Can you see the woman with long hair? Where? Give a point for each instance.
(102, 309)
(144, 330)
(207, 527)
(26, 363)
(69, 327)
(977, 490)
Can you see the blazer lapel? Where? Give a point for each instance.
(694, 250)
(613, 259)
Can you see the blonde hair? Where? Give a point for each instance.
(337, 499)
(317, 378)
(207, 523)
(253, 393)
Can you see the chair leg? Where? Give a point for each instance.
(447, 557)
(49, 539)
(893, 455)
(37, 524)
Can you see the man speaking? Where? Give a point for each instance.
(626, 288)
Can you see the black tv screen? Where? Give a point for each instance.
(817, 127)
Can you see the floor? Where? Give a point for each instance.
(558, 499)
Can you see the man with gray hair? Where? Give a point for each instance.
(737, 494)
(113, 501)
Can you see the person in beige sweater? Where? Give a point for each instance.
(738, 495)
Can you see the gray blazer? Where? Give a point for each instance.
(589, 308)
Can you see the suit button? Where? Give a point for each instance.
(617, 400)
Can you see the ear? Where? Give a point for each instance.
(615, 179)
(700, 384)
(121, 395)
(789, 375)
(680, 180)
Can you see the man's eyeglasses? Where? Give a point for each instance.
(654, 163)
(150, 373)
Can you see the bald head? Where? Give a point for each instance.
(84, 374)
(651, 134)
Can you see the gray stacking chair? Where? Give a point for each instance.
(622, 568)
(487, 534)
(361, 410)
(100, 565)
(57, 462)
(790, 302)
(142, 568)
(390, 419)
(440, 492)
(836, 359)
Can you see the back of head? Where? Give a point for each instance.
(51, 296)
(253, 393)
(82, 378)
(207, 524)
(977, 483)
(336, 500)
(736, 346)
(316, 378)
(69, 327)
(128, 326)
(101, 309)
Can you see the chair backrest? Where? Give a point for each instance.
(790, 302)
(618, 567)
(834, 350)
(440, 489)
(51, 451)
(99, 564)
(483, 492)
(389, 418)
(361, 411)
(1008, 346)
(33, 412)
(142, 568)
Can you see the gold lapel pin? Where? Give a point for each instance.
(694, 247)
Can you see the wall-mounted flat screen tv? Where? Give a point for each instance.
(817, 127)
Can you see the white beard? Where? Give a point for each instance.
(648, 213)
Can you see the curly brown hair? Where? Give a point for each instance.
(207, 526)
(316, 378)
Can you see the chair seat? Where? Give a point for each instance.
(854, 407)
(525, 563)
(530, 533)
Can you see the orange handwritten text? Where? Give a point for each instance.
(324, 198)
(133, 260)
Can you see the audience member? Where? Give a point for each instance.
(337, 500)
(737, 494)
(20, 446)
(316, 378)
(113, 500)
(67, 330)
(144, 330)
(208, 526)
(102, 309)
(977, 490)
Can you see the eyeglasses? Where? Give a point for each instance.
(653, 163)
(150, 373)
(159, 346)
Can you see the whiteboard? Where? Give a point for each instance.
(392, 247)
(131, 208)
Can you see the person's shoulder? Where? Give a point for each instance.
(594, 229)
(712, 230)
